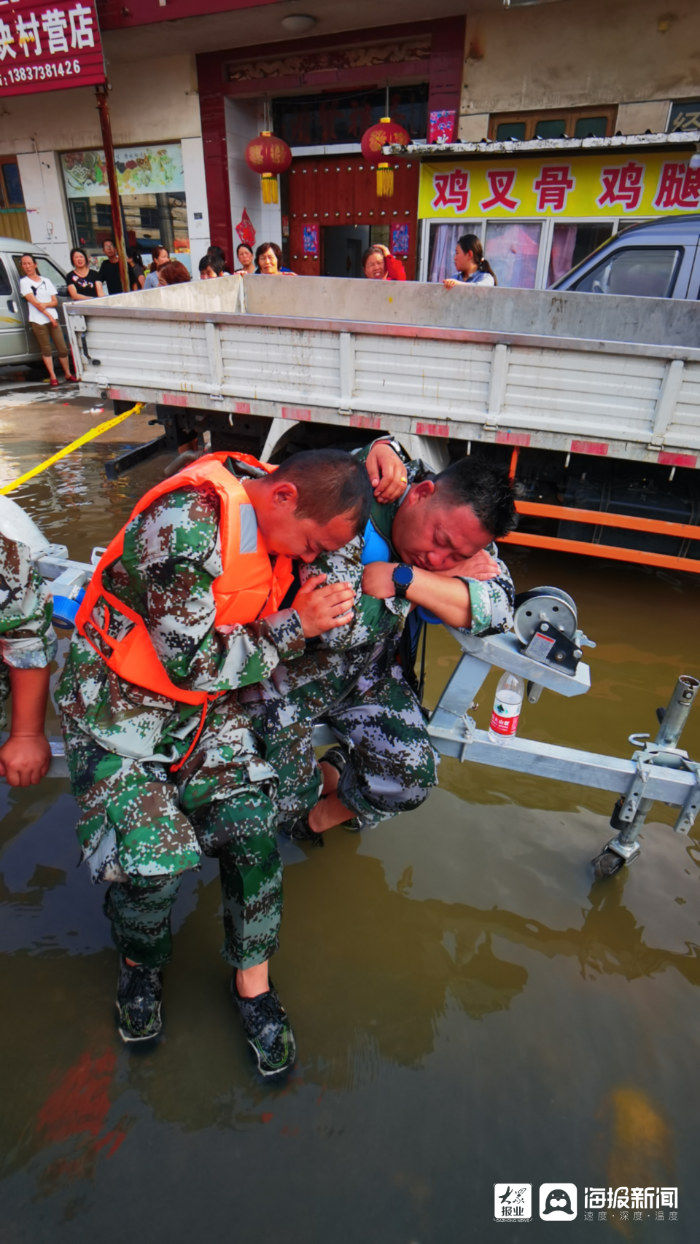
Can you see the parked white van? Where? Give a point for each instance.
(17, 342)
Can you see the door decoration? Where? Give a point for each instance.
(382, 134)
(311, 236)
(245, 229)
(399, 239)
(441, 126)
(268, 156)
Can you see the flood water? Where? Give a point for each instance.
(470, 1007)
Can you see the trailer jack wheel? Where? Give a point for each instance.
(607, 864)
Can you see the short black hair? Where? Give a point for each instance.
(204, 263)
(269, 246)
(329, 482)
(486, 489)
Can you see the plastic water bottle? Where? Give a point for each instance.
(506, 707)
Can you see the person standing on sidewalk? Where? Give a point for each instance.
(41, 296)
(109, 273)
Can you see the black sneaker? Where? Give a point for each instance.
(336, 757)
(139, 993)
(301, 831)
(268, 1031)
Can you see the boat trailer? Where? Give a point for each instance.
(545, 649)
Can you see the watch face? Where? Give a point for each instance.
(403, 576)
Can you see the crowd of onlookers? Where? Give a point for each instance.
(378, 264)
(84, 281)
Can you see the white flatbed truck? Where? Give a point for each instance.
(597, 396)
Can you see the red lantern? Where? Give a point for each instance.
(384, 133)
(268, 155)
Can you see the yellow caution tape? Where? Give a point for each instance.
(63, 453)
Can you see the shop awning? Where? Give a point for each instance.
(677, 140)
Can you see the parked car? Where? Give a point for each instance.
(658, 259)
(17, 342)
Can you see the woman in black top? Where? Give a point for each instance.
(137, 272)
(83, 282)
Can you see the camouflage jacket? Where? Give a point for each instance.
(171, 556)
(338, 657)
(27, 639)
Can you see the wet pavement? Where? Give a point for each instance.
(470, 1008)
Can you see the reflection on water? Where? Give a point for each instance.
(469, 1007)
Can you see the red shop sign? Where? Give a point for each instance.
(49, 46)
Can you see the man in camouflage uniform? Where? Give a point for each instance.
(27, 647)
(147, 814)
(351, 678)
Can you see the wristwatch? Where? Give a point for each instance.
(403, 578)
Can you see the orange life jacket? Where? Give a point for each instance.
(248, 587)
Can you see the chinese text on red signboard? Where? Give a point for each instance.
(47, 47)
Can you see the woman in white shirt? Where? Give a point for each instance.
(42, 299)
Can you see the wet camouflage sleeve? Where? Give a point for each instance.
(492, 600)
(27, 639)
(172, 554)
(373, 618)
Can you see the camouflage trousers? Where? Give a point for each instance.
(391, 765)
(143, 826)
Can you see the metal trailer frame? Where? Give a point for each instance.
(657, 771)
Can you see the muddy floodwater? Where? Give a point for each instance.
(471, 1009)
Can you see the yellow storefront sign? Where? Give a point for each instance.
(582, 187)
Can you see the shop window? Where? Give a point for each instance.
(685, 115)
(512, 248)
(10, 185)
(13, 217)
(103, 215)
(443, 241)
(573, 242)
(645, 271)
(151, 187)
(322, 120)
(513, 130)
(567, 123)
(555, 128)
(591, 127)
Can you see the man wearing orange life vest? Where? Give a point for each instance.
(184, 609)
